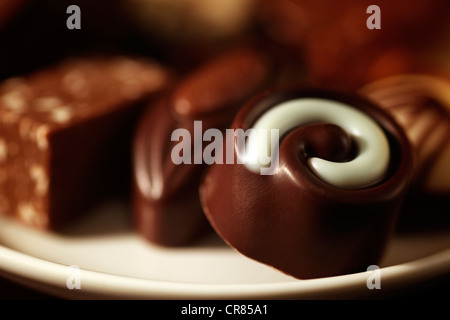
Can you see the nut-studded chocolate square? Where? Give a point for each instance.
(65, 135)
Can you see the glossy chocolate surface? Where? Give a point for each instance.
(166, 200)
(295, 222)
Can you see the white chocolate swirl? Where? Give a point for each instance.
(373, 155)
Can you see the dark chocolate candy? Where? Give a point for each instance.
(167, 207)
(65, 135)
(293, 220)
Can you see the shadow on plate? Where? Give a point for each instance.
(114, 217)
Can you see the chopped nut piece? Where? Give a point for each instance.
(61, 114)
(45, 104)
(3, 150)
(14, 101)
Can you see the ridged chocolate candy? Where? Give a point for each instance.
(421, 105)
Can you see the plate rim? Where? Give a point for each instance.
(50, 277)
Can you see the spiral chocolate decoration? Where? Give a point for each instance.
(368, 166)
(297, 220)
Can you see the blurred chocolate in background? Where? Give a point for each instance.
(340, 51)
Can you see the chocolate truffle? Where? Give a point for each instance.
(318, 212)
(65, 135)
(166, 202)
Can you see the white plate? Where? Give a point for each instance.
(109, 260)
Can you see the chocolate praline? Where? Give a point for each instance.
(167, 208)
(293, 220)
